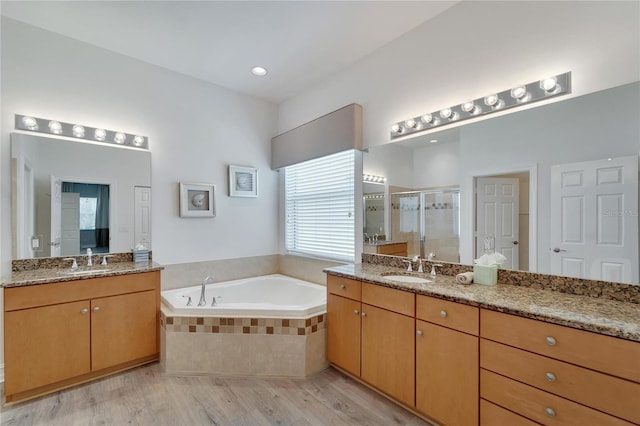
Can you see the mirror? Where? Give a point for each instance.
(68, 196)
(373, 194)
(533, 146)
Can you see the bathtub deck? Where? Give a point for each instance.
(144, 396)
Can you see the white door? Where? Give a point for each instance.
(142, 212)
(594, 219)
(56, 215)
(497, 212)
(70, 221)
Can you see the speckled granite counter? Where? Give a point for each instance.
(610, 317)
(54, 275)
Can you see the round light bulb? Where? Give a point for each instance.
(429, 119)
(470, 107)
(100, 135)
(55, 127)
(30, 123)
(259, 71)
(518, 92)
(119, 138)
(491, 100)
(411, 123)
(78, 131)
(448, 114)
(396, 128)
(138, 140)
(549, 84)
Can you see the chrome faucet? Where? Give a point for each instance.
(207, 280)
(89, 261)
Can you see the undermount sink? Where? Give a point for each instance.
(408, 279)
(84, 271)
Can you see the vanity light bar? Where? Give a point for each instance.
(372, 178)
(78, 131)
(520, 95)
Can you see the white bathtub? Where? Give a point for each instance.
(269, 296)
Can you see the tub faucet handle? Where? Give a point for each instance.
(214, 302)
(189, 302)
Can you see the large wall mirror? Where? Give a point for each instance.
(70, 196)
(554, 187)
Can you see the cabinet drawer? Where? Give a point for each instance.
(611, 355)
(448, 314)
(538, 405)
(492, 415)
(603, 392)
(344, 287)
(402, 302)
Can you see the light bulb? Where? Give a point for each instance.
(471, 107)
(411, 123)
(55, 127)
(119, 138)
(549, 84)
(429, 119)
(448, 114)
(396, 128)
(138, 140)
(259, 71)
(100, 135)
(78, 131)
(30, 123)
(493, 101)
(518, 92)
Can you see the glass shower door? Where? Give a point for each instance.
(405, 220)
(440, 221)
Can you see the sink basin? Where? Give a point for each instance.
(84, 271)
(408, 279)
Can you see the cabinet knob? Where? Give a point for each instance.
(342, 286)
(364, 314)
(96, 308)
(550, 341)
(550, 412)
(419, 332)
(550, 377)
(84, 311)
(443, 314)
(355, 311)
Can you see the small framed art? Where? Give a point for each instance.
(197, 200)
(243, 181)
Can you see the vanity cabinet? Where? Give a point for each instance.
(557, 375)
(447, 361)
(392, 249)
(60, 334)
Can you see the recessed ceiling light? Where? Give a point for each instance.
(433, 141)
(259, 71)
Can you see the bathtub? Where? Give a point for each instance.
(269, 296)
(268, 326)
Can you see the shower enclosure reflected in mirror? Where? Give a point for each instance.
(69, 196)
(374, 201)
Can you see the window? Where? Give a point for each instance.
(319, 207)
(88, 213)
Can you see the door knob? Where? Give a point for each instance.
(84, 311)
(96, 309)
(515, 243)
(557, 250)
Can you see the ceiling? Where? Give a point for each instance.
(300, 42)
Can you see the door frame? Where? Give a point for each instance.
(468, 210)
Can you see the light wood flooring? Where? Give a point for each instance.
(145, 396)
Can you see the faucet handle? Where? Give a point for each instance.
(409, 268)
(104, 259)
(74, 265)
(433, 269)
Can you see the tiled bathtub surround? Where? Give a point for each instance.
(269, 347)
(577, 286)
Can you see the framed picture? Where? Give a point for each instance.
(197, 200)
(243, 181)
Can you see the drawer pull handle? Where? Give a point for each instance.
(550, 412)
(342, 286)
(443, 314)
(550, 341)
(96, 309)
(85, 311)
(364, 315)
(550, 377)
(355, 311)
(419, 332)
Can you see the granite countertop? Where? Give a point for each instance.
(613, 318)
(55, 275)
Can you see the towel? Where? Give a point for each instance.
(464, 278)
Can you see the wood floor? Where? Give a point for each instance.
(145, 396)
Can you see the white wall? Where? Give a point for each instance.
(195, 129)
(457, 56)
(436, 165)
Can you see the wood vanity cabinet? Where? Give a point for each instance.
(392, 249)
(556, 375)
(370, 334)
(447, 361)
(60, 334)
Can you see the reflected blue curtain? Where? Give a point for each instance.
(102, 217)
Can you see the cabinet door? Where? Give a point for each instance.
(46, 345)
(123, 328)
(446, 374)
(388, 352)
(343, 333)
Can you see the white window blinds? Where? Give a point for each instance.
(319, 203)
